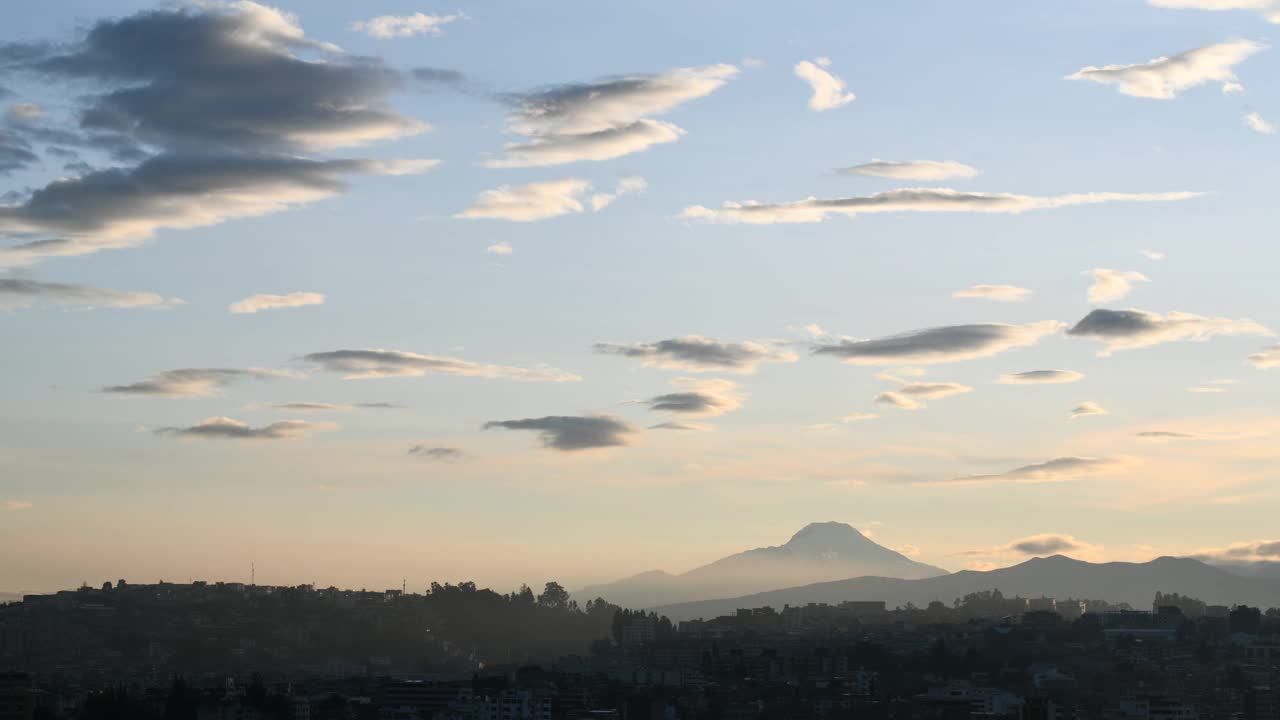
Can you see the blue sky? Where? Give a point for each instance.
(104, 484)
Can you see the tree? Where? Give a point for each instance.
(554, 596)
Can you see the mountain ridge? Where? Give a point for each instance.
(817, 552)
(1056, 576)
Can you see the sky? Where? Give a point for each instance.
(519, 292)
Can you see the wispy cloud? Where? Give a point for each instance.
(257, 303)
(605, 119)
(194, 382)
(1150, 254)
(225, 428)
(999, 293)
(1041, 377)
(1165, 78)
(571, 432)
(438, 454)
(1043, 544)
(379, 363)
(16, 505)
(1255, 122)
(1111, 285)
(940, 344)
(1269, 9)
(1056, 470)
(811, 210)
(695, 353)
(401, 26)
(1266, 359)
(17, 293)
(828, 90)
(1086, 409)
(500, 248)
(913, 169)
(1127, 329)
(1248, 551)
(910, 395)
(543, 200)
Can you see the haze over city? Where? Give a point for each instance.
(358, 294)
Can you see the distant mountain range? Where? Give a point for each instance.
(819, 552)
(1056, 577)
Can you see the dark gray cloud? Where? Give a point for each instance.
(939, 344)
(20, 293)
(232, 76)
(439, 454)
(223, 98)
(1044, 545)
(1055, 470)
(122, 207)
(429, 78)
(378, 363)
(1041, 377)
(193, 382)
(573, 432)
(15, 152)
(225, 428)
(1125, 329)
(701, 354)
(698, 397)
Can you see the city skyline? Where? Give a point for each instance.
(343, 293)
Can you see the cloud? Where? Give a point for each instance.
(22, 293)
(255, 303)
(194, 382)
(1203, 390)
(811, 210)
(212, 105)
(1127, 329)
(940, 344)
(224, 428)
(15, 505)
(1269, 9)
(1266, 359)
(569, 432)
(393, 26)
(23, 112)
(331, 407)
(688, 427)
(897, 400)
(605, 119)
(1248, 551)
(999, 293)
(1165, 77)
(706, 398)
(858, 417)
(1087, 408)
(1152, 254)
(526, 203)
(908, 396)
(1111, 285)
(829, 91)
(1165, 436)
(694, 353)
(15, 153)
(1059, 469)
(439, 454)
(123, 207)
(625, 186)
(1256, 123)
(500, 248)
(1044, 544)
(913, 169)
(599, 145)
(379, 363)
(1041, 377)
(232, 76)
